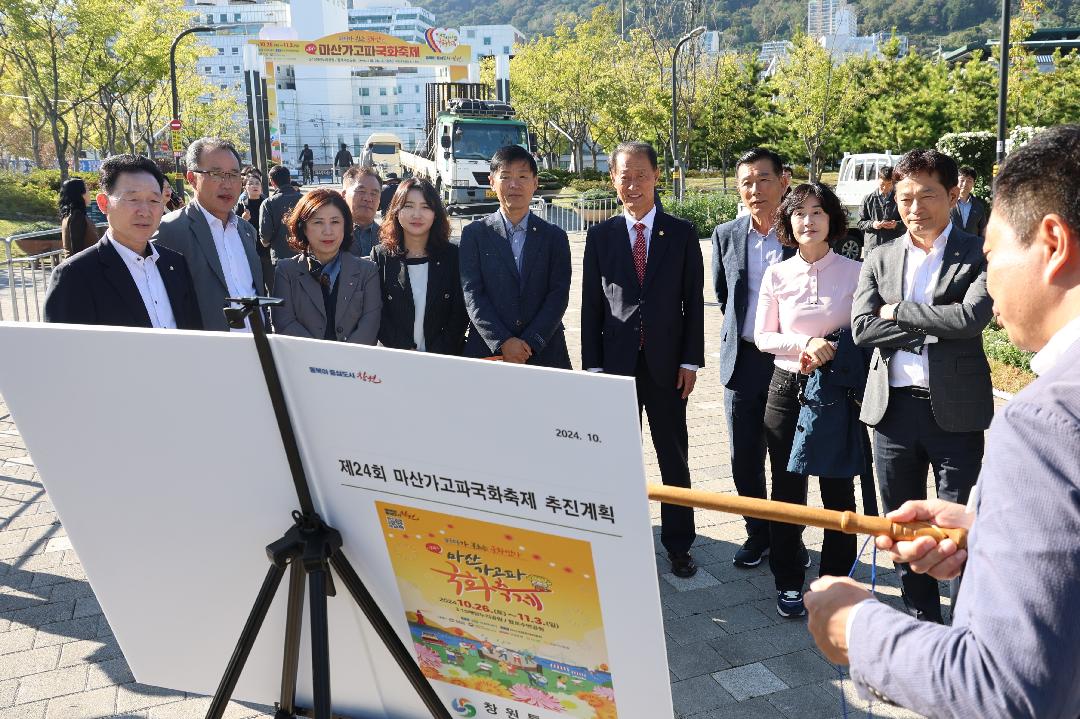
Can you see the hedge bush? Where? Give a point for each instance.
(705, 210)
(37, 193)
(975, 149)
(997, 345)
(578, 185)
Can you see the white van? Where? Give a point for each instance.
(382, 150)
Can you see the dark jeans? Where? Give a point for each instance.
(745, 397)
(907, 442)
(838, 550)
(666, 410)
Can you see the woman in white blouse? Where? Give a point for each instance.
(803, 300)
(423, 305)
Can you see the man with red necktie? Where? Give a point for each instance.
(642, 316)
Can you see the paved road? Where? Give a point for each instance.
(729, 653)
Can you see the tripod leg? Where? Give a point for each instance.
(246, 641)
(320, 643)
(293, 625)
(390, 638)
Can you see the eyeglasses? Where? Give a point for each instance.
(219, 176)
(132, 202)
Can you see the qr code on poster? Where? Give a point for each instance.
(395, 523)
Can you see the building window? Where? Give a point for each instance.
(284, 130)
(224, 17)
(236, 51)
(506, 49)
(384, 110)
(382, 92)
(470, 33)
(221, 51)
(487, 41)
(236, 68)
(221, 69)
(236, 17)
(417, 106)
(208, 69)
(210, 19)
(416, 89)
(365, 109)
(365, 91)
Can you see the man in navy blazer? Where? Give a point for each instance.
(125, 280)
(515, 272)
(742, 250)
(1014, 646)
(643, 315)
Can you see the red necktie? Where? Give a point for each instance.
(639, 253)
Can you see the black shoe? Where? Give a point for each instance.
(804, 556)
(790, 603)
(750, 553)
(682, 565)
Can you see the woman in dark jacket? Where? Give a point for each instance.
(328, 293)
(77, 230)
(423, 305)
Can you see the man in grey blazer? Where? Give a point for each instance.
(742, 250)
(1014, 646)
(922, 304)
(515, 272)
(219, 246)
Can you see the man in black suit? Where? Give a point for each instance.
(970, 213)
(515, 271)
(642, 315)
(273, 231)
(124, 279)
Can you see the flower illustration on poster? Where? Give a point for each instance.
(508, 612)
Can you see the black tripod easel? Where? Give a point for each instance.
(310, 547)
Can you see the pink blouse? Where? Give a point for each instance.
(800, 301)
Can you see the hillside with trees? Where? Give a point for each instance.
(743, 23)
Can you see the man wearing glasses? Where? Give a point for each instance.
(218, 245)
(123, 280)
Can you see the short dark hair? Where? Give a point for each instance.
(203, 145)
(392, 237)
(885, 173)
(308, 205)
(829, 202)
(929, 162)
(633, 147)
(355, 172)
(280, 176)
(1029, 185)
(512, 153)
(968, 172)
(117, 165)
(760, 153)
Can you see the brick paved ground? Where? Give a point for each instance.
(729, 653)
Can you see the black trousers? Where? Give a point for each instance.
(839, 549)
(666, 410)
(745, 397)
(907, 442)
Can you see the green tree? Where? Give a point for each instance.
(815, 97)
(726, 107)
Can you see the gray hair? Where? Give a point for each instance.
(633, 147)
(197, 149)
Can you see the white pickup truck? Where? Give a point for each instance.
(858, 178)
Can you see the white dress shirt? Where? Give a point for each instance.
(762, 252)
(234, 262)
(648, 220)
(144, 272)
(921, 272)
(1055, 349)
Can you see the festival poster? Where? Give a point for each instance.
(511, 613)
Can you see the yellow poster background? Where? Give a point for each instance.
(509, 612)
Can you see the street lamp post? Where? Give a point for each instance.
(176, 96)
(1003, 81)
(678, 184)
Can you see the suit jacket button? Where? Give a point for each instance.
(446, 296)
(517, 323)
(339, 330)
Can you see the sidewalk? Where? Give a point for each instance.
(729, 653)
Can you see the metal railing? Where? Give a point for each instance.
(573, 213)
(24, 279)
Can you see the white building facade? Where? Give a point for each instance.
(325, 106)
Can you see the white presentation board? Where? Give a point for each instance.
(497, 513)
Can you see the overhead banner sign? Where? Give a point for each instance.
(515, 559)
(357, 47)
